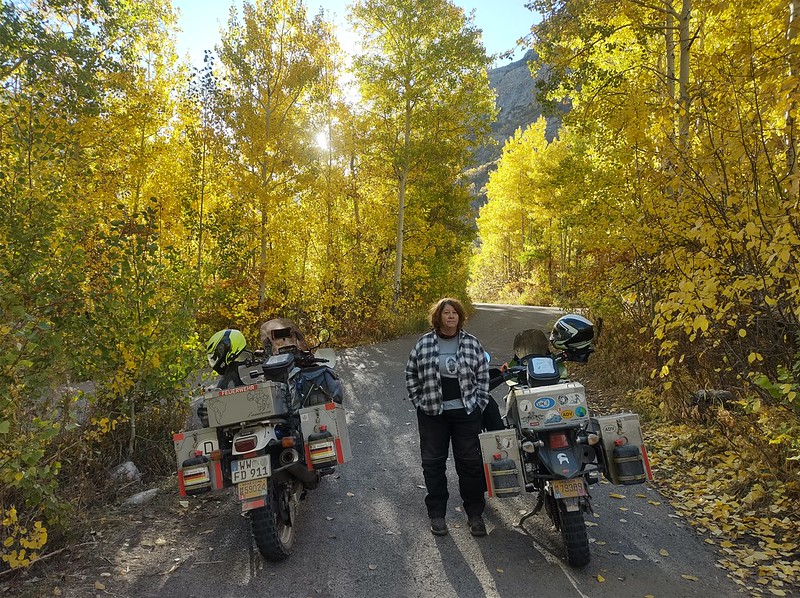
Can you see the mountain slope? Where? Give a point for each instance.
(514, 86)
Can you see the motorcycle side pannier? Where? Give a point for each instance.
(623, 448)
(502, 464)
(196, 471)
(329, 417)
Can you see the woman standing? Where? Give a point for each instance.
(447, 377)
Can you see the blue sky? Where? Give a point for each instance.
(502, 22)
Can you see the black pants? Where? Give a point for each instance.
(435, 435)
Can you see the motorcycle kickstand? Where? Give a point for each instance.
(536, 509)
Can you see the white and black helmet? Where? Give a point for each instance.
(572, 333)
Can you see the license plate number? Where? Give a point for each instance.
(250, 469)
(252, 489)
(569, 488)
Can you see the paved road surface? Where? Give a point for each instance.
(364, 532)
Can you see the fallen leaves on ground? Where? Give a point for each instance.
(750, 516)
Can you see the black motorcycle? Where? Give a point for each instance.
(551, 445)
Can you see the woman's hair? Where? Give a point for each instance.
(435, 313)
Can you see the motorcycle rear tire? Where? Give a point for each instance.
(573, 531)
(272, 524)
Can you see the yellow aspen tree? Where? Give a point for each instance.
(423, 81)
(272, 57)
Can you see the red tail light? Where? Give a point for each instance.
(558, 440)
(245, 444)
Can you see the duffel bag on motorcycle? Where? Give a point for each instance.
(315, 386)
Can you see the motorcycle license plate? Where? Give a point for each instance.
(569, 488)
(250, 469)
(252, 489)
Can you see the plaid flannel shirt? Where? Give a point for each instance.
(423, 379)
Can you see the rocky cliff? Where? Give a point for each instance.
(517, 108)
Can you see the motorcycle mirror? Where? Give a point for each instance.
(324, 335)
(487, 356)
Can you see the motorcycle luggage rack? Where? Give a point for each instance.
(549, 476)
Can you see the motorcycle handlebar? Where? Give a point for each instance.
(498, 376)
(309, 359)
(558, 357)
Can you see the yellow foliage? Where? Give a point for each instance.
(100, 427)
(20, 543)
(758, 530)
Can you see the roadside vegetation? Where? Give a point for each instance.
(145, 205)
(668, 206)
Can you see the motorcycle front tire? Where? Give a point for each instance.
(573, 531)
(272, 524)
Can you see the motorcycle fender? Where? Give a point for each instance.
(566, 462)
(263, 433)
(571, 504)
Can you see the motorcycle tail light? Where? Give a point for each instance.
(287, 442)
(558, 440)
(245, 444)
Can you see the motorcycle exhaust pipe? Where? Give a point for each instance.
(292, 466)
(288, 457)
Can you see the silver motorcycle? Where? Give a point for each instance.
(273, 426)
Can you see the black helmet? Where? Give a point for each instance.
(572, 333)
